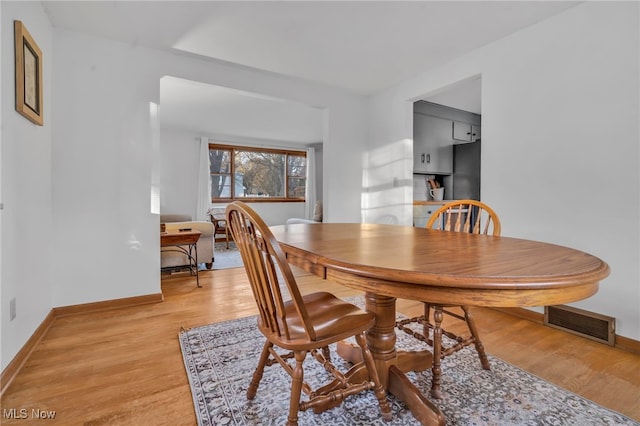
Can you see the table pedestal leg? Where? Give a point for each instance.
(392, 365)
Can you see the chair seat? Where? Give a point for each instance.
(332, 318)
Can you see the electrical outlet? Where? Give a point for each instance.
(12, 309)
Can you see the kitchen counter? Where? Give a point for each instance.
(423, 209)
(429, 202)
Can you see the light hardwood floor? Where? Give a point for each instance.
(124, 366)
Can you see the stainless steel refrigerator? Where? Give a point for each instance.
(466, 171)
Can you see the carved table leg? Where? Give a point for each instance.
(381, 338)
(437, 353)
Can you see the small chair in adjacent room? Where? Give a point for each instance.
(219, 221)
(301, 325)
(457, 216)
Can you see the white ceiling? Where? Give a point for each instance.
(227, 114)
(360, 46)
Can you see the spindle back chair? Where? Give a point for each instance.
(465, 216)
(456, 216)
(302, 324)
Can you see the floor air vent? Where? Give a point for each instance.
(587, 324)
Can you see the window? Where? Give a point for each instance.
(256, 174)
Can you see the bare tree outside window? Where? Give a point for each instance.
(263, 173)
(296, 176)
(220, 169)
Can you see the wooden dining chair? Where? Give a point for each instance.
(301, 325)
(456, 216)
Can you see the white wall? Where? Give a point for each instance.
(560, 135)
(26, 219)
(107, 244)
(179, 153)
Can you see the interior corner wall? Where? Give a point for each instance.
(343, 160)
(26, 217)
(179, 153)
(560, 138)
(107, 244)
(388, 171)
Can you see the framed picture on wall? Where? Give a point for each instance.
(28, 75)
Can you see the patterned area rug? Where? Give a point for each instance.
(226, 258)
(220, 359)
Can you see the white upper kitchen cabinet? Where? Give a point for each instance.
(432, 145)
(465, 132)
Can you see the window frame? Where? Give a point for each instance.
(233, 149)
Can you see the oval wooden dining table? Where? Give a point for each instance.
(390, 261)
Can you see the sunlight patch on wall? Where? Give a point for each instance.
(154, 121)
(388, 184)
(155, 199)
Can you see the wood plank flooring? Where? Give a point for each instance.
(124, 366)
